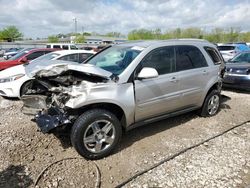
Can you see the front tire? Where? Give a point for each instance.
(25, 88)
(211, 104)
(96, 133)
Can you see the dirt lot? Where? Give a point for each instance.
(221, 162)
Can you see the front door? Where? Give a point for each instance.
(157, 96)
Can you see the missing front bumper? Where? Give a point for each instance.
(49, 120)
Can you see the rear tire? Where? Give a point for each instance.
(211, 104)
(96, 133)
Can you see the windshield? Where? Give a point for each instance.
(225, 48)
(241, 58)
(115, 59)
(49, 56)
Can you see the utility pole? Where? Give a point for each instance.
(82, 29)
(75, 21)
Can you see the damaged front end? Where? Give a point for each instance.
(47, 112)
(52, 88)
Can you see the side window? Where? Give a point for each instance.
(56, 46)
(214, 55)
(73, 47)
(84, 56)
(162, 59)
(35, 55)
(71, 57)
(189, 57)
(48, 46)
(65, 47)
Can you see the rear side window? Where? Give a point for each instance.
(71, 57)
(65, 47)
(214, 55)
(189, 57)
(162, 59)
(48, 46)
(84, 56)
(35, 55)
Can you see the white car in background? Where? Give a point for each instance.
(228, 51)
(14, 81)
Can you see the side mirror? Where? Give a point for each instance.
(147, 72)
(24, 59)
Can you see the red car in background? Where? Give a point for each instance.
(25, 56)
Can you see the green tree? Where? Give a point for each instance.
(52, 39)
(113, 34)
(10, 33)
(79, 39)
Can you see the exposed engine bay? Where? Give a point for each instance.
(51, 89)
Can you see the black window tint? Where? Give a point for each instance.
(48, 46)
(189, 57)
(35, 55)
(214, 55)
(71, 57)
(65, 47)
(162, 59)
(84, 56)
(56, 46)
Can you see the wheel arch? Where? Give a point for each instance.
(112, 107)
(22, 86)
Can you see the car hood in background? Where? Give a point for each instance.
(238, 65)
(56, 67)
(19, 69)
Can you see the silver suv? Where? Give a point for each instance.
(122, 87)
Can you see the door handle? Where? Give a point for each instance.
(204, 72)
(174, 79)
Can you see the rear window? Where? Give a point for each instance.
(214, 55)
(226, 48)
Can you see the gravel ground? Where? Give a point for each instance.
(222, 162)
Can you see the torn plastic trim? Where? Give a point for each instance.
(48, 120)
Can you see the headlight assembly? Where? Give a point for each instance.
(11, 78)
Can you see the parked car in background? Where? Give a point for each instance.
(8, 50)
(237, 73)
(24, 57)
(228, 51)
(14, 81)
(123, 87)
(8, 55)
(63, 46)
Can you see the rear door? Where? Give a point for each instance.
(194, 74)
(159, 95)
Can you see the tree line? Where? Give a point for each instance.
(217, 35)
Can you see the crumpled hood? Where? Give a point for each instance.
(19, 69)
(56, 67)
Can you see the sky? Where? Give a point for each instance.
(40, 18)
